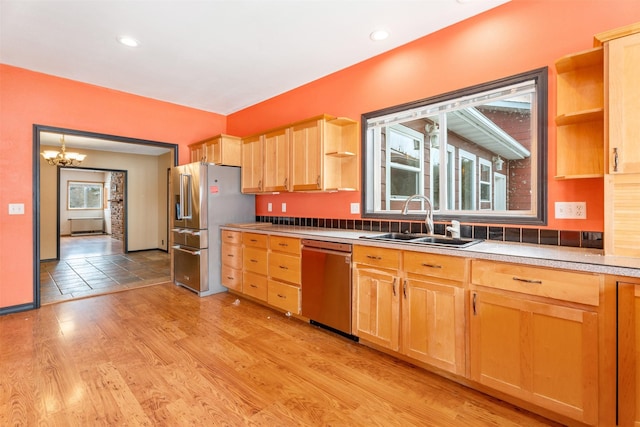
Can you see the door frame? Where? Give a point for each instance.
(37, 129)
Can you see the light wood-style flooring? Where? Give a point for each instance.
(161, 356)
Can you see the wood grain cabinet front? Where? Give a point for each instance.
(412, 303)
(231, 259)
(534, 334)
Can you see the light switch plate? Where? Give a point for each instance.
(284, 207)
(16, 208)
(355, 208)
(269, 207)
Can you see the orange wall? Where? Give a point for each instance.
(519, 36)
(28, 98)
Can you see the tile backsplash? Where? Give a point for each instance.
(542, 236)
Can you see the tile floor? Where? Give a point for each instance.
(94, 265)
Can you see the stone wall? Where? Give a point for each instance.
(117, 205)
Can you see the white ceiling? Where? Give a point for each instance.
(215, 55)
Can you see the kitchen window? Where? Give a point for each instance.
(479, 154)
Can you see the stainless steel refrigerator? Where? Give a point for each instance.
(204, 197)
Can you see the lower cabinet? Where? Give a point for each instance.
(270, 269)
(413, 309)
(539, 349)
(628, 350)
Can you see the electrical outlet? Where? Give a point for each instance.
(284, 207)
(571, 210)
(269, 207)
(355, 208)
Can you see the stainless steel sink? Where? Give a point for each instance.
(424, 239)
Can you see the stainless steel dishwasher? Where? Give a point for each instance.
(326, 284)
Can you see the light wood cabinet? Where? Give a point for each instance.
(252, 164)
(623, 104)
(324, 154)
(433, 310)
(376, 291)
(317, 154)
(220, 150)
(285, 273)
(622, 154)
(628, 350)
(534, 340)
(255, 265)
(276, 161)
(412, 303)
(231, 260)
(580, 115)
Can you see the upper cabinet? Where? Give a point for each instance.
(623, 86)
(622, 140)
(219, 150)
(580, 119)
(317, 154)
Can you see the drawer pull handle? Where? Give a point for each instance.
(253, 286)
(253, 240)
(393, 286)
(230, 255)
(404, 289)
(431, 265)
(282, 296)
(475, 296)
(230, 277)
(283, 244)
(284, 267)
(253, 260)
(374, 257)
(537, 282)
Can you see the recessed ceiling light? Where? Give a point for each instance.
(379, 35)
(128, 41)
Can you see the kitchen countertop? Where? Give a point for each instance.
(578, 259)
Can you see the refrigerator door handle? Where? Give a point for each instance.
(184, 212)
(179, 248)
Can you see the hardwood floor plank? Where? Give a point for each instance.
(162, 356)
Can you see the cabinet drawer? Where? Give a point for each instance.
(255, 240)
(255, 260)
(231, 278)
(433, 265)
(254, 285)
(379, 257)
(582, 288)
(284, 296)
(289, 245)
(234, 237)
(284, 267)
(231, 255)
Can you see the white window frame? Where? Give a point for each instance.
(85, 185)
(465, 155)
(409, 133)
(484, 162)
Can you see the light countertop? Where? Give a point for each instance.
(578, 259)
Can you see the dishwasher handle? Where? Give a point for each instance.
(346, 255)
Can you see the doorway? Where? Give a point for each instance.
(146, 246)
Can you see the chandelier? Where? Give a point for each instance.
(62, 158)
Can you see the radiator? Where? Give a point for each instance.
(86, 225)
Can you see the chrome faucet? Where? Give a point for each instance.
(429, 218)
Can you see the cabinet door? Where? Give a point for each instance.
(252, 165)
(377, 307)
(628, 352)
(276, 161)
(433, 324)
(624, 104)
(306, 158)
(545, 354)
